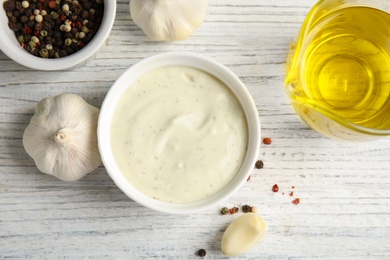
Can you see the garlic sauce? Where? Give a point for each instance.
(179, 134)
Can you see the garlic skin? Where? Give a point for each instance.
(168, 20)
(242, 234)
(62, 137)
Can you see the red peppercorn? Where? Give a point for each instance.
(52, 4)
(267, 140)
(81, 44)
(275, 188)
(27, 30)
(233, 210)
(296, 201)
(63, 17)
(79, 25)
(36, 33)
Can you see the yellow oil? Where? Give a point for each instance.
(344, 66)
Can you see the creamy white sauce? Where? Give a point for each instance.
(179, 134)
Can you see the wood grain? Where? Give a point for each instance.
(344, 187)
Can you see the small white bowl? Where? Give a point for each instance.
(189, 60)
(10, 46)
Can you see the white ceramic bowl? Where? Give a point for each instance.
(10, 46)
(178, 59)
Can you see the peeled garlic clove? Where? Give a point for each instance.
(62, 137)
(242, 234)
(167, 20)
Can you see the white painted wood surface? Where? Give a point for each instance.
(344, 187)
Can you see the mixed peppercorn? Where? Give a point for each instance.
(54, 28)
(233, 210)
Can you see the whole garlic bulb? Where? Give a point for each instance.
(168, 20)
(62, 137)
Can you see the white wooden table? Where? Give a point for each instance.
(344, 187)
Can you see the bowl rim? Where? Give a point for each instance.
(11, 48)
(203, 63)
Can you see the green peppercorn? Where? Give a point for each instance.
(54, 15)
(35, 51)
(68, 41)
(20, 38)
(85, 29)
(224, 211)
(44, 53)
(32, 44)
(43, 33)
(34, 39)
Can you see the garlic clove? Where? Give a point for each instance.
(62, 137)
(167, 20)
(242, 234)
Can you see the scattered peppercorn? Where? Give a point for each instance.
(201, 252)
(254, 209)
(259, 164)
(267, 140)
(249, 177)
(233, 210)
(291, 194)
(224, 211)
(246, 208)
(296, 201)
(275, 188)
(44, 18)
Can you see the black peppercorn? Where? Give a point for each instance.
(18, 5)
(63, 53)
(9, 5)
(201, 252)
(13, 26)
(87, 5)
(30, 24)
(27, 12)
(16, 13)
(23, 19)
(246, 208)
(38, 26)
(85, 14)
(259, 164)
(74, 30)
